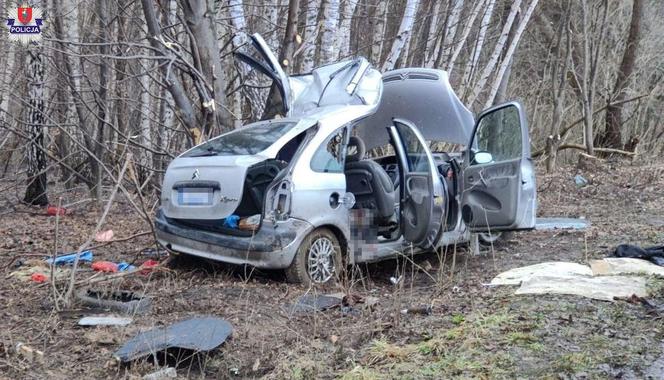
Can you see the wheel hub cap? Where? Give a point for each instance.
(320, 260)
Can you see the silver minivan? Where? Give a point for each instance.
(302, 193)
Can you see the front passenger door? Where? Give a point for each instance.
(423, 202)
(499, 192)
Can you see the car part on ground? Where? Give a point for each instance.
(120, 301)
(197, 334)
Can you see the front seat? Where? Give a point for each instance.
(368, 181)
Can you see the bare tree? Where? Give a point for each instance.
(612, 136)
(403, 35)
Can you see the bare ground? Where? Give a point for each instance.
(474, 331)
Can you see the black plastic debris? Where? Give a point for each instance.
(312, 303)
(652, 254)
(197, 334)
(120, 301)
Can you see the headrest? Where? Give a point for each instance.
(360, 149)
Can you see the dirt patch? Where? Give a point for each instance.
(473, 331)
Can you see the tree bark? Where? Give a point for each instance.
(493, 60)
(378, 32)
(612, 136)
(310, 35)
(403, 35)
(35, 194)
(328, 51)
(343, 33)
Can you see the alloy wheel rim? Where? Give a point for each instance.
(320, 260)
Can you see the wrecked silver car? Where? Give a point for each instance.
(301, 193)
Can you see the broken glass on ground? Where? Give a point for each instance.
(198, 334)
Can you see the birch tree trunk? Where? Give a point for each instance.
(449, 34)
(35, 194)
(403, 35)
(343, 34)
(471, 65)
(378, 33)
(507, 60)
(433, 31)
(458, 45)
(493, 60)
(328, 51)
(310, 36)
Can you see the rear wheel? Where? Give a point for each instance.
(318, 260)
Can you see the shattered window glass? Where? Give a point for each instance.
(244, 141)
(329, 158)
(499, 133)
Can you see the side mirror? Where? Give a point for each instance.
(482, 157)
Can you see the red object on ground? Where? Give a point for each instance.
(105, 266)
(38, 277)
(55, 210)
(147, 266)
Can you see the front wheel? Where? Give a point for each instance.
(318, 260)
(493, 238)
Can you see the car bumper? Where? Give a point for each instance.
(273, 246)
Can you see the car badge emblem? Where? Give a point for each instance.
(195, 175)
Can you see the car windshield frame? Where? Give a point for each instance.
(246, 141)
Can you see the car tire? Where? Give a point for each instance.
(321, 248)
(494, 238)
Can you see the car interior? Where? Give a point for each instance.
(375, 183)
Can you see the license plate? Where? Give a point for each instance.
(195, 197)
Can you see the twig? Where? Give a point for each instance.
(100, 222)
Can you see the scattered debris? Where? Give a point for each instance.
(120, 301)
(395, 280)
(231, 221)
(154, 252)
(580, 181)
(100, 336)
(33, 270)
(312, 302)
(605, 288)
(105, 266)
(39, 278)
(104, 321)
(250, 223)
(164, 373)
(55, 210)
(561, 224)
(553, 268)
(123, 266)
(70, 258)
(654, 254)
(424, 310)
(29, 353)
(197, 334)
(148, 266)
(622, 265)
(104, 236)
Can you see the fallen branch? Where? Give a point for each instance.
(566, 129)
(601, 150)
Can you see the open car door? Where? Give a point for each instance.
(499, 192)
(423, 205)
(268, 64)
